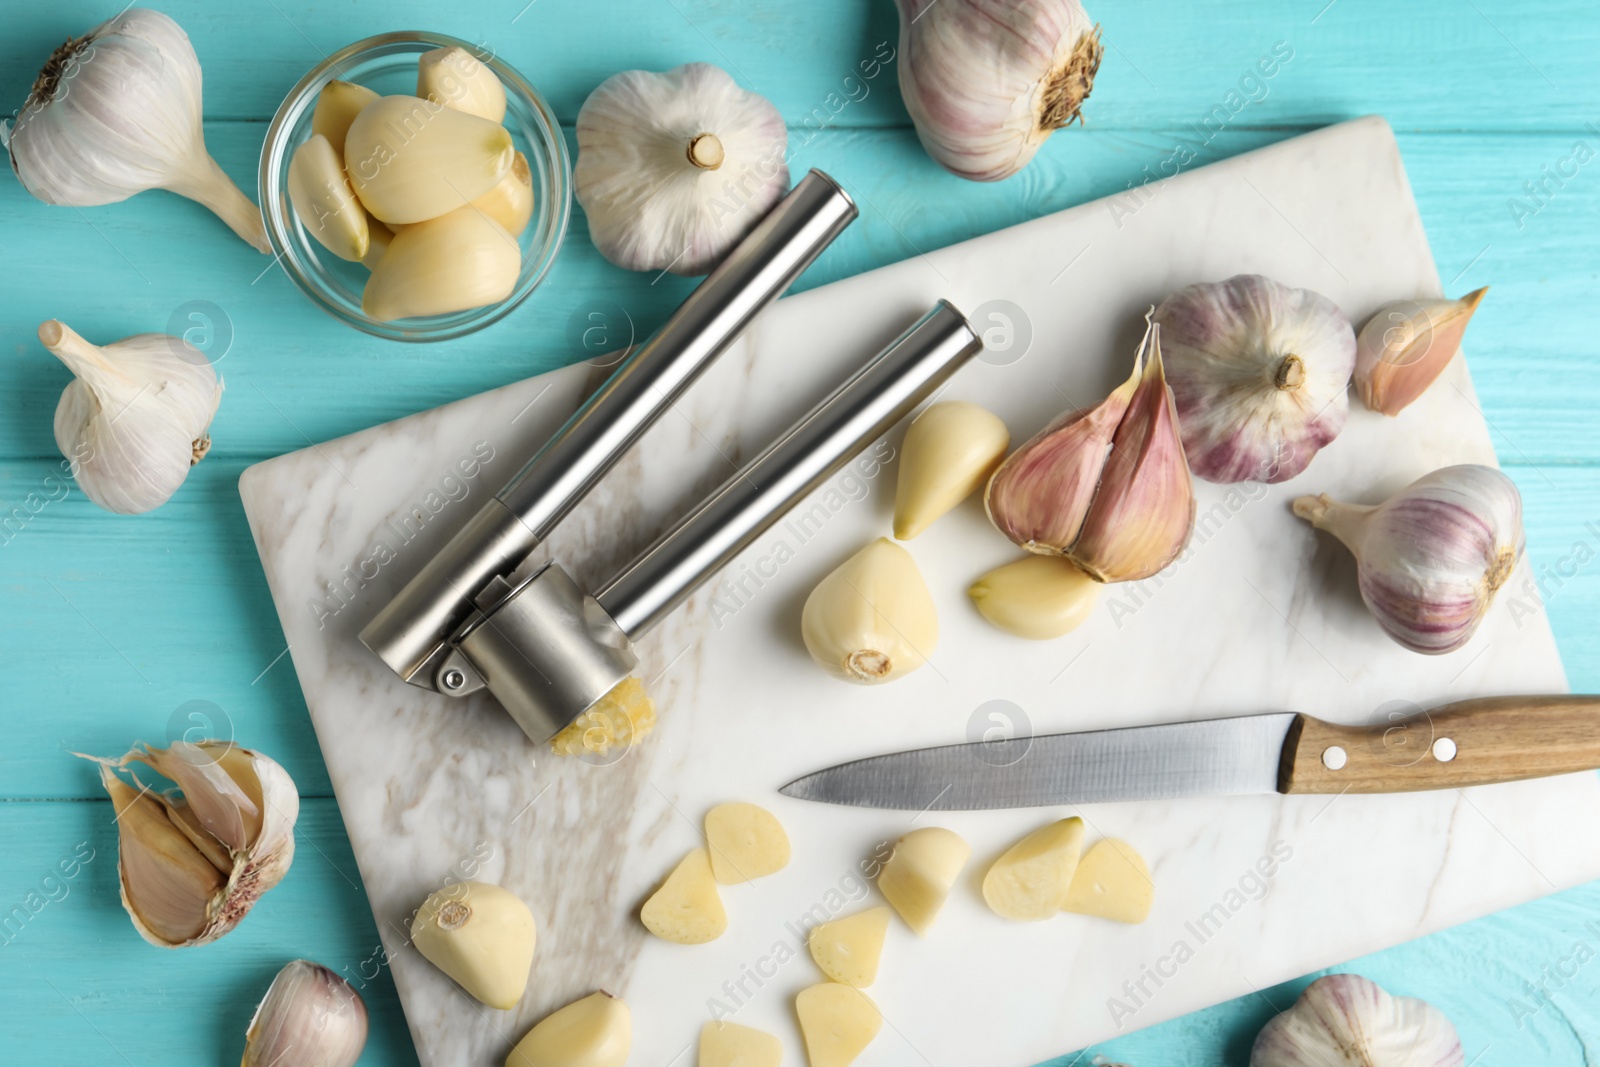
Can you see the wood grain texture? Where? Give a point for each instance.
(111, 625)
(1492, 739)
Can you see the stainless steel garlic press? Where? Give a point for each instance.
(546, 649)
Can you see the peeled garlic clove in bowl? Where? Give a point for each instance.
(675, 168)
(1260, 373)
(1408, 344)
(324, 201)
(411, 159)
(454, 77)
(988, 81)
(1348, 1019)
(463, 259)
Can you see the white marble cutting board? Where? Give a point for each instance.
(1260, 614)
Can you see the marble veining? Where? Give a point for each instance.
(1261, 613)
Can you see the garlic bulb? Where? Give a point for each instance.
(950, 451)
(324, 202)
(674, 169)
(1430, 558)
(192, 865)
(135, 418)
(596, 1031)
(116, 112)
(457, 261)
(310, 1017)
(987, 81)
(1260, 373)
(871, 620)
(1347, 1019)
(1107, 487)
(1406, 345)
(411, 159)
(454, 77)
(482, 936)
(1037, 597)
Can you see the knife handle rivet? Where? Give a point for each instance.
(1444, 750)
(1334, 758)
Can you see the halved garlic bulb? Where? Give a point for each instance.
(411, 159)
(455, 77)
(460, 260)
(1406, 345)
(322, 199)
(872, 619)
(1259, 372)
(1348, 1019)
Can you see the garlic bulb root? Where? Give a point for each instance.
(310, 1017)
(1405, 346)
(1345, 1018)
(987, 81)
(118, 111)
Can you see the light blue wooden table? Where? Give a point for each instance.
(111, 626)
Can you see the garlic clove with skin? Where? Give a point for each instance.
(135, 418)
(454, 77)
(988, 81)
(1430, 558)
(118, 111)
(872, 619)
(1036, 597)
(310, 1017)
(460, 260)
(1406, 345)
(338, 104)
(675, 168)
(411, 159)
(324, 202)
(482, 936)
(949, 453)
(1348, 1019)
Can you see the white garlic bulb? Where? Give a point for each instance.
(116, 112)
(988, 81)
(192, 865)
(135, 418)
(310, 1017)
(872, 619)
(1430, 558)
(1260, 372)
(674, 169)
(1345, 1019)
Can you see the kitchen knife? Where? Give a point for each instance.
(1469, 742)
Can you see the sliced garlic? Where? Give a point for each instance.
(1347, 1019)
(950, 451)
(872, 619)
(596, 1031)
(455, 77)
(687, 909)
(730, 1045)
(310, 1017)
(457, 261)
(412, 159)
(622, 718)
(1037, 597)
(838, 1022)
(192, 866)
(1030, 881)
(510, 202)
(1113, 882)
(848, 949)
(338, 104)
(917, 876)
(1406, 345)
(745, 842)
(482, 936)
(324, 202)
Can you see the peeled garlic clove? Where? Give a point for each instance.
(457, 261)
(730, 1045)
(871, 620)
(674, 169)
(745, 842)
(482, 936)
(510, 202)
(1345, 1018)
(324, 202)
(1406, 345)
(378, 238)
(1143, 510)
(987, 81)
(1430, 558)
(338, 104)
(1029, 882)
(950, 451)
(687, 909)
(412, 159)
(136, 416)
(310, 1017)
(454, 77)
(596, 1031)
(191, 867)
(1113, 882)
(117, 111)
(917, 876)
(837, 1022)
(1037, 597)
(1259, 372)
(620, 719)
(848, 949)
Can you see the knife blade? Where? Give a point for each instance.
(1469, 742)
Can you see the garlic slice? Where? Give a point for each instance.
(482, 936)
(1037, 597)
(324, 202)
(338, 104)
(848, 949)
(310, 1017)
(872, 619)
(725, 1044)
(596, 1031)
(838, 1022)
(411, 159)
(745, 842)
(457, 261)
(687, 909)
(454, 77)
(919, 873)
(1406, 345)
(949, 453)
(1030, 881)
(1113, 882)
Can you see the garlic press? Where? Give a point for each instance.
(546, 649)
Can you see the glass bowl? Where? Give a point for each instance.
(387, 64)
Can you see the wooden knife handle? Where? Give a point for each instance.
(1470, 742)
